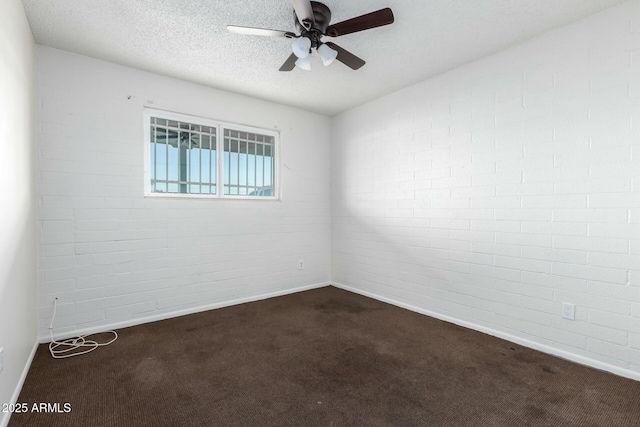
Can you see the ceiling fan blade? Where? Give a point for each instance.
(250, 31)
(290, 63)
(346, 57)
(364, 22)
(304, 12)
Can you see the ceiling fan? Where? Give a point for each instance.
(312, 23)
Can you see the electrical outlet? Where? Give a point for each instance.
(301, 264)
(568, 311)
(1, 359)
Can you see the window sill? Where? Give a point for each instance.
(206, 197)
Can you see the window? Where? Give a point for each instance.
(190, 156)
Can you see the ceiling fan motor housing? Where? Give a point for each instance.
(322, 17)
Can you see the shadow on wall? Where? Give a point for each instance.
(396, 241)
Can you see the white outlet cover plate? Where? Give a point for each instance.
(568, 311)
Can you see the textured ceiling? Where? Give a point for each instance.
(188, 39)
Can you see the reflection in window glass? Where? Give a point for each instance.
(182, 157)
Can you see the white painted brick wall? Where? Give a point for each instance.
(112, 256)
(517, 180)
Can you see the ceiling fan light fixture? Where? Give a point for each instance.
(301, 46)
(304, 63)
(327, 54)
(312, 21)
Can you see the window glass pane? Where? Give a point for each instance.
(251, 166)
(205, 159)
(161, 187)
(249, 163)
(268, 173)
(227, 162)
(183, 159)
(214, 170)
(233, 169)
(161, 154)
(173, 156)
(195, 163)
(152, 155)
(260, 181)
(242, 166)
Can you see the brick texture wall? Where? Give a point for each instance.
(493, 193)
(113, 257)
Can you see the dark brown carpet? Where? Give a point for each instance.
(325, 357)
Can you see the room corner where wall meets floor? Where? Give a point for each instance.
(494, 193)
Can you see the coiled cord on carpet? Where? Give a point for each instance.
(67, 348)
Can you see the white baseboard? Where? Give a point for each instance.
(44, 336)
(4, 421)
(623, 372)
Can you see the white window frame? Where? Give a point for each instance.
(220, 126)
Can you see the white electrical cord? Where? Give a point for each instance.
(64, 349)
